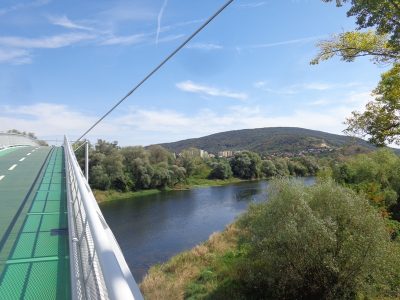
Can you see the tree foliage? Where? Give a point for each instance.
(268, 168)
(220, 170)
(137, 168)
(319, 242)
(350, 45)
(246, 165)
(376, 175)
(384, 15)
(380, 120)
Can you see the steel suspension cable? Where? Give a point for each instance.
(157, 67)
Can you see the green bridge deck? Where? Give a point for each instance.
(34, 261)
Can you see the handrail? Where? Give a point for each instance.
(98, 268)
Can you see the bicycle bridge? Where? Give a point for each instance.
(54, 241)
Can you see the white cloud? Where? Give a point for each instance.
(125, 40)
(204, 46)
(50, 120)
(21, 6)
(170, 38)
(253, 4)
(15, 56)
(191, 87)
(307, 86)
(281, 43)
(355, 100)
(137, 125)
(123, 11)
(159, 19)
(323, 86)
(180, 24)
(169, 125)
(50, 42)
(320, 102)
(65, 22)
(318, 86)
(260, 84)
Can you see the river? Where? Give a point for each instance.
(151, 229)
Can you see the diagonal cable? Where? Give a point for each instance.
(157, 68)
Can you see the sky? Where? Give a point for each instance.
(64, 63)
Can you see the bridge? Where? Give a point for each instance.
(54, 240)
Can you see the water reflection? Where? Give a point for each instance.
(153, 228)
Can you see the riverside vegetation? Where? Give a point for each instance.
(337, 239)
(123, 173)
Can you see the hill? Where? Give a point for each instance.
(269, 140)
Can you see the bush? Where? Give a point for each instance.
(246, 165)
(319, 242)
(268, 168)
(220, 170)
(377, 175)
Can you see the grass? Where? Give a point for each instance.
(194, 182)
(176, 279)
(112, 195)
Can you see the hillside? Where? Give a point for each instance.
(268, 140)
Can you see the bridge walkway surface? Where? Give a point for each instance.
(34, 250)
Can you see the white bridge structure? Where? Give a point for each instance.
(97, 266)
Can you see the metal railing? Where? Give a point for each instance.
(98, 267)
(13, 139)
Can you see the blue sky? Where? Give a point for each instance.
(64, 63)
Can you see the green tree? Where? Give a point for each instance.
(376, 175)
(268, 168)
(281, 167)
(178, 174)
(311, 164)
(99, 179)
(190, 159)
(105, 147)
(220, 169)
(296, 168)
(162, 176)
(114, 168)
(384, 15)
(319, 242)
(380, 120)
(158, 154)
(246, 165)
(141, 173)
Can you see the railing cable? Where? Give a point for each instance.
(157, 68)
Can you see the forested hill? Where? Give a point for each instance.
(267, 140)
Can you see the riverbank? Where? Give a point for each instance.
(176, 278)
(251, 257)
(191, 183)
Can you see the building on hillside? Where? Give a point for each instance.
(226, 153)
(204, 154)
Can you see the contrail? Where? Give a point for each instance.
(160, 15)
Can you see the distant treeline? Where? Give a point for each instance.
(137, 168)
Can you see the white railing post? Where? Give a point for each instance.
(87, 160)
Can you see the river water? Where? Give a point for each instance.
(151, 229)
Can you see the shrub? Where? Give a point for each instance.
(319, 242)
(220, 170)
